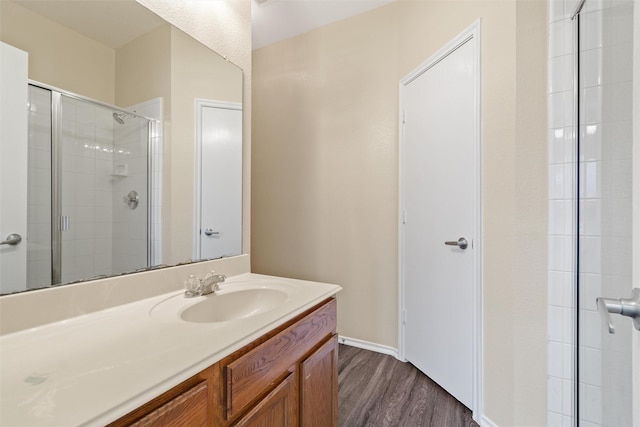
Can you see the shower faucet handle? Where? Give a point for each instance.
(625, 306)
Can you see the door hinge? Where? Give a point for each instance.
(404, 316)
(404, 216)
(404, 116)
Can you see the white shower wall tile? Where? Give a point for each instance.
(560, 76)
(554, 419)
(568, 386)
(556, 10)
(560, 39)
(562, 227)
(554, 395)
(593, 38)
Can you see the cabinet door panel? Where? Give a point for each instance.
(319, 386)
(188, 408)
(277, 409)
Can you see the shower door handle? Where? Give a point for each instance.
(625, 306)
(12, 239)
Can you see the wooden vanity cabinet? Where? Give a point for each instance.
(288, 377)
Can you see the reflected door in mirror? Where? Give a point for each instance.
(220, 137)
(13, 167)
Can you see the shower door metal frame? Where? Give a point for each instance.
(575, 17)
(57, 222)
(56, 187)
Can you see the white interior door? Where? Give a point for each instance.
(13, 166)
(220, 197)
(440, 190)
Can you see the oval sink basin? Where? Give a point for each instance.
(222, 307)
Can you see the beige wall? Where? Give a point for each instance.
(325, 175)
(530, 290)
(58, 56)
(225, 27)
(196, 72)
(143, 69)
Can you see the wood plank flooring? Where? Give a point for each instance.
(380, 391)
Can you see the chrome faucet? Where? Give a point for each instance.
(211, 282)
(194, 287)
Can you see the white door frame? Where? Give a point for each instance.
(200, 105)
(472, 32)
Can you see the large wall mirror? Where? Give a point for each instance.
(132, 150)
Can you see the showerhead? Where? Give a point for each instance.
(119, 117)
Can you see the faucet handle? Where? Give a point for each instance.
(193, 286)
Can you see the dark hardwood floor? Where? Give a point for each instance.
(379, 390)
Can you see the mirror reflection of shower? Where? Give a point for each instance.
(119, 117)
(84, 156)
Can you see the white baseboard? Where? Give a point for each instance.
(486, 422)
(366, 345)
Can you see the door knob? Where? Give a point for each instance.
(626, 306)
(462, 243)
(12, 239)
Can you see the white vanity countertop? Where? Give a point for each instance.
(93, 369)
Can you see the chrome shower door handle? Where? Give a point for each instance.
(462, 243)
(12, 239)
(629, 307)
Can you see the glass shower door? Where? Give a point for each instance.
(101, 191)
(607, 183)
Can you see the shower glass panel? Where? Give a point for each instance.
(88, 189)
(605, 191)
(104, 158)
(39, 188)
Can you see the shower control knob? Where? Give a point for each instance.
(210, 232)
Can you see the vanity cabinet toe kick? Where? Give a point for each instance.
(288, 377)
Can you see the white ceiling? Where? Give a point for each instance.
(274, 20)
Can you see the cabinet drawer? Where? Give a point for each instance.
(253, 374)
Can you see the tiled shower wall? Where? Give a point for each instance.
(153, 110)
(605, 195)
(561, 282)
(130, 229)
